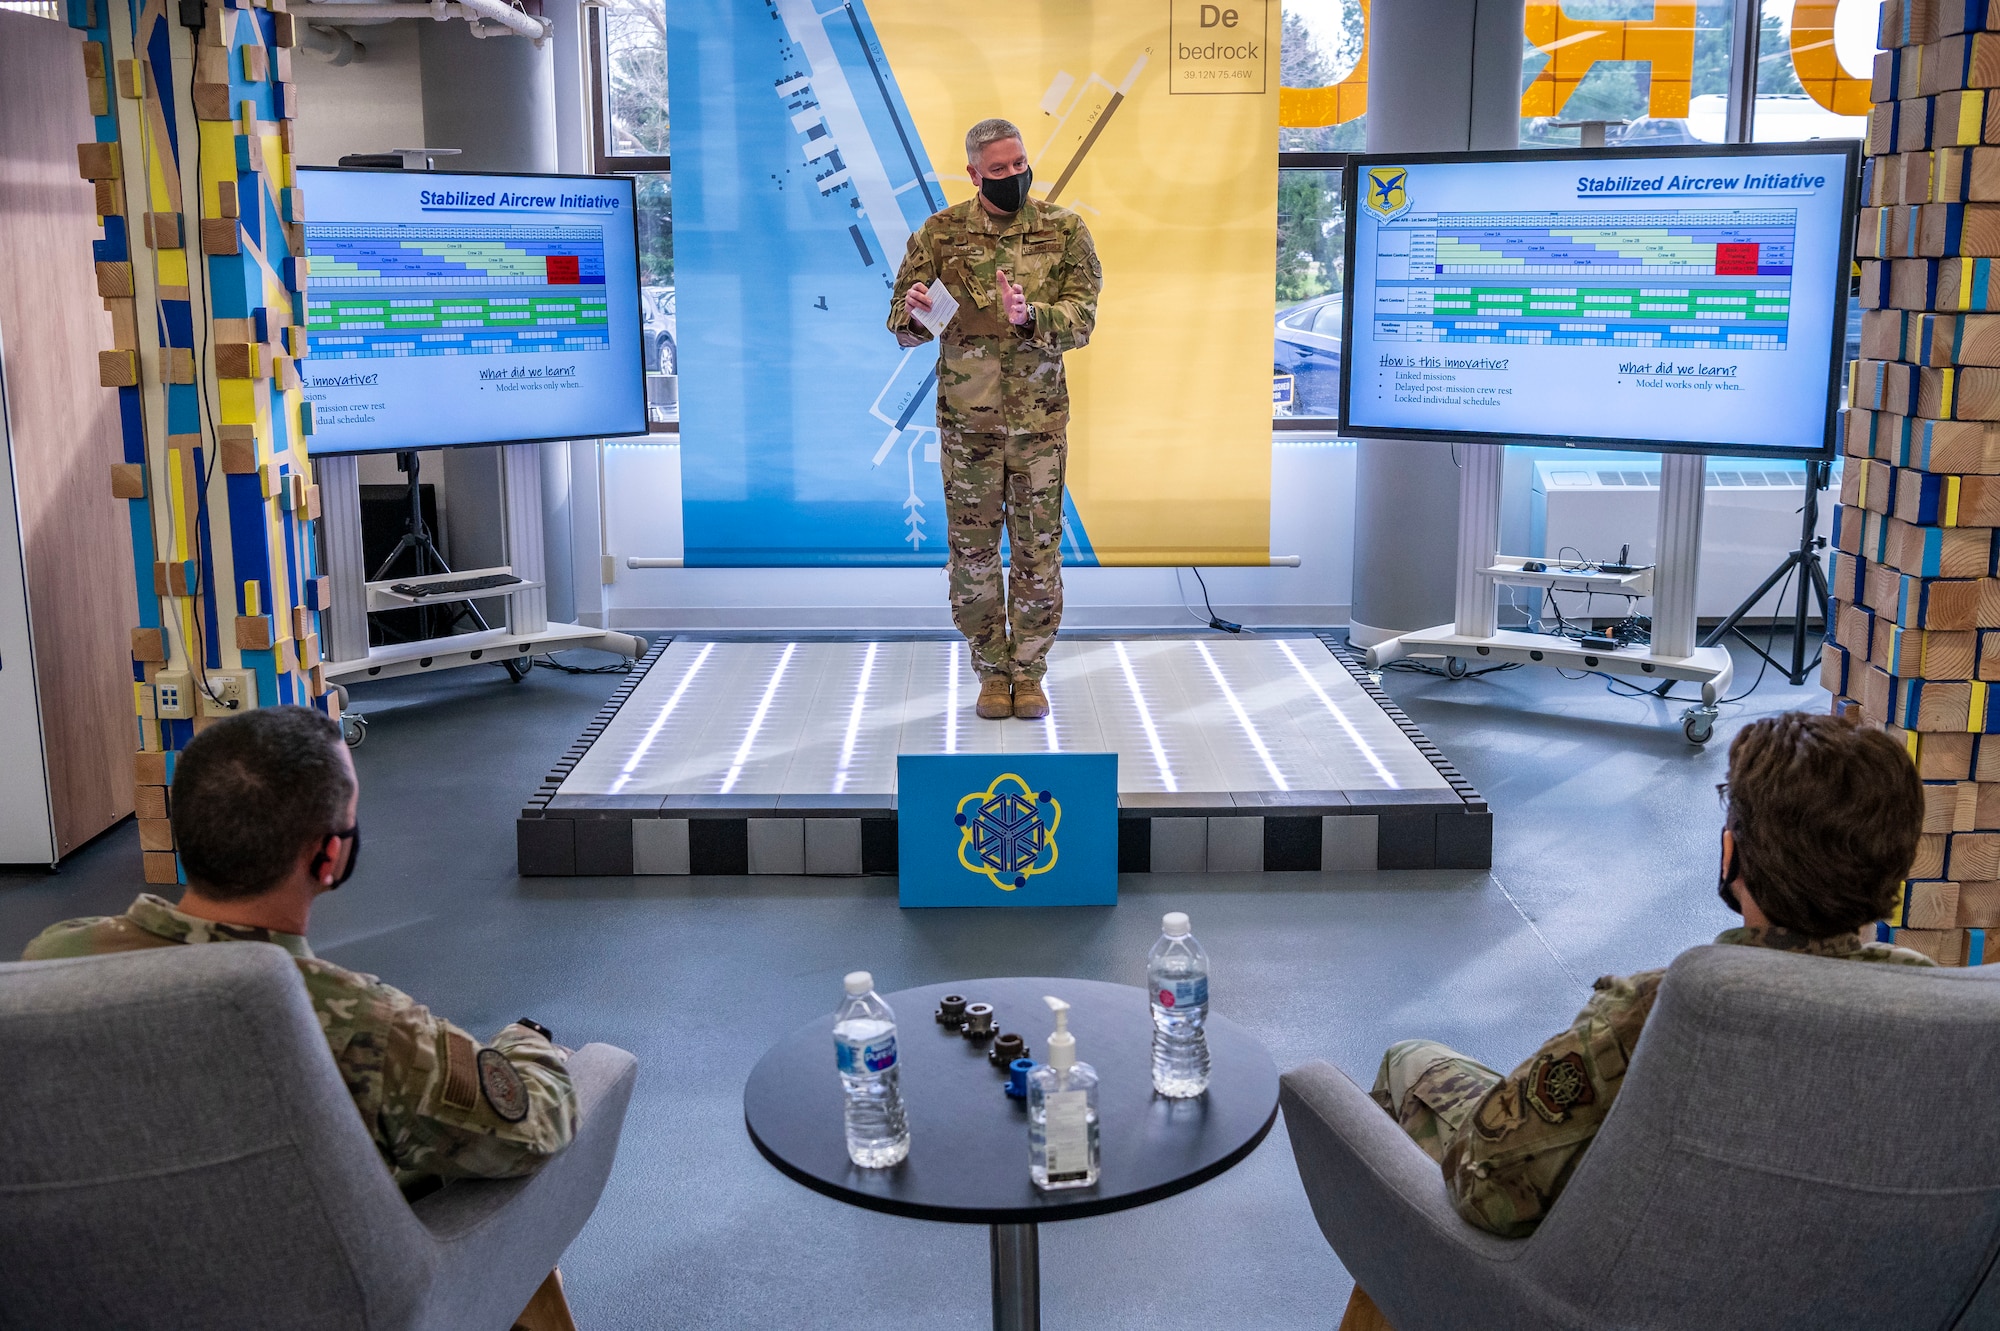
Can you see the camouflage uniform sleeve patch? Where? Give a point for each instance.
(502, 1086)
(1559, 1084)
(1509, 1162)
(425, 1088)
(461, 1070)
(460, 1110)
(1066, 322)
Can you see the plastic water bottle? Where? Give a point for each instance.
(864, 1039)
(1177, 975)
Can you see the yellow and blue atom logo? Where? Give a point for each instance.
(1388, 192)
(1008, 831)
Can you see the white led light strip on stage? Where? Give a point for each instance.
(653, 731)
(757, 719)
(1146, 720)
(951, 702)
(1242, 717)
(854, 718)
(1374, 761)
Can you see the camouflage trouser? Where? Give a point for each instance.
(1018, 479)
(1430, 1090)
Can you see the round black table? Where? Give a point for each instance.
(968, 1160)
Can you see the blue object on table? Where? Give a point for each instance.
(1000, 829)
(1017, 1077)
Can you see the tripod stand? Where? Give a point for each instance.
(1804, 561)
(417, 543)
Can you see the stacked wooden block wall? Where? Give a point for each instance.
(202, 267)
(1915, 634)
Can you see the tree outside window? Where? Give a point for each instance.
(635, 78)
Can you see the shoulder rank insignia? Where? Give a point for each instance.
(1557, 1085)
(502, 1086)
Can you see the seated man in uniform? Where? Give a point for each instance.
(1820, 825)
(263, 811)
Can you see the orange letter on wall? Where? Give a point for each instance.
(1665, 41)
(1335, 104)
(1818, 65)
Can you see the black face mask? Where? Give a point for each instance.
(1722, 887)
(1008, 193)
(353, 837)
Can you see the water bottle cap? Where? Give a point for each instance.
(1175, 924)
(859, 982)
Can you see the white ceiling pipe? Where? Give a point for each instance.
(494, 11)
(336, 44)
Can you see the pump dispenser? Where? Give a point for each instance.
(1062, 1112)
(1062, 1045)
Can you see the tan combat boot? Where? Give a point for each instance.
(996, 698)
(1030, 703)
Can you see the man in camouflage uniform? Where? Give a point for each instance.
(1026, 277)
(263, 809)
(1798, 784)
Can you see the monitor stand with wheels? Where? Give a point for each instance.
(1474, 638)
(527, 630)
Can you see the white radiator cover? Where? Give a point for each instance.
(1751, 522)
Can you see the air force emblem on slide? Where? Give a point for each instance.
(1008, 831)
(1388, 192)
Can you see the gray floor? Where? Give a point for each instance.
(1606, 826)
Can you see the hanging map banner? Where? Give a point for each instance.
(810, 144)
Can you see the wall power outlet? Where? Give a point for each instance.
(229, 692)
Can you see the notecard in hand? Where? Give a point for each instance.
(943, 306)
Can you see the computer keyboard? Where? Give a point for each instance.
(453, 586)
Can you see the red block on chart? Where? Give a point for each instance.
(562, 268)
(1730, 261)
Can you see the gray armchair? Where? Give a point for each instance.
(1799, 1143)
(177, 1150)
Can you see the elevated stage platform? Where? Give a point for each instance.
(726, 755)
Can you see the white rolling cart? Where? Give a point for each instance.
(1475, 638)
(527, 631)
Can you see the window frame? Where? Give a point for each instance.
(1311, 161)
(607, 163)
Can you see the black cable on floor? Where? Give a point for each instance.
(1419, 668)
(1215, 621)
(549, 662)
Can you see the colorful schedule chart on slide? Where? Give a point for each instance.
(1681, 299)
(448, 309)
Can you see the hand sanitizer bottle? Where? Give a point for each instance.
(1062, 1113)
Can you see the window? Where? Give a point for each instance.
(1793, 46)
(631, 43)
(628, 44)
(1575, 70)
(1312, 236)
(656, 296)
(1324, 76)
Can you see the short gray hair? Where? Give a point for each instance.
(988, 131)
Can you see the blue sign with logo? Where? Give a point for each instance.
(1007, 829)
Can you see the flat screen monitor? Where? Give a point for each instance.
(445, 308)
(1679, 299)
